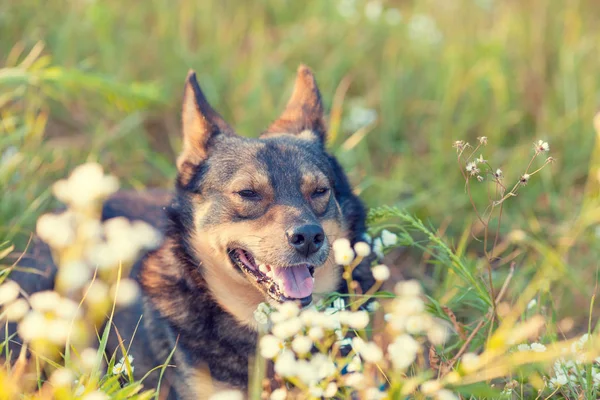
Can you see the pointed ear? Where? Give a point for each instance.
(304, 110)
(200, 123)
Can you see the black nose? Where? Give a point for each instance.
(306, 239)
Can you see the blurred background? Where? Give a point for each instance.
(102, 80)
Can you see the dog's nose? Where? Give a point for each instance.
(306, 239)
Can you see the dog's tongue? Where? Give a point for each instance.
(294, 282)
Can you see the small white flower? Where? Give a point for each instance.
(316, 333)
(128, 292)
(499, 174)
(58, 231)
(62, 378)
(86, 185)
(270, 346)
(96, 395)
(405, 306)
(388, 238)
(121, 366)
(355, 380)
(362, 249)
(381, 272)
(403, 351)
(470, 362)
(88, 358)
(67, 309)
(57, 331)
(559, 380)
(415, 324)
(430, 387)
(531, 304)
(287, 329)
(445, 394)
(32, 326)
(330, 390)
(437, 334)
(9, 291)
(523, 347)
(541, 147)
(45, 301)
(73, 275)
(302, 345)
(374, 394)
(343, 254)
(525, 179)
(378, 248)
(16, 310)
(279, 394)
(410, 288)
(260, 317)
(472, 168)
(370, 352)
(285, 365)
(358, 320)
(97, 293)
(538, 347)
(355, 365)
(315, 391)
(289, 309)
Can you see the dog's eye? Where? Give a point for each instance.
(249, 194)
(322, 191)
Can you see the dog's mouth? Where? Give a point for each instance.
(288, 283)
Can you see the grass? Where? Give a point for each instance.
(103, 81)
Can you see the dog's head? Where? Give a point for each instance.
(261, 214)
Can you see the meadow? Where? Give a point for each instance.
(402, 81)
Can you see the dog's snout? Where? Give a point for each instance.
(306, 239)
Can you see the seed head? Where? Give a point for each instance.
(541, 147)
(472, 168)
(524, 179)
(483, 140)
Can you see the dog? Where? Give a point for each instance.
(251, 220)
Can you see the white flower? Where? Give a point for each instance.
(355, 365)
(538, 347)
(430, 387)
(305, 372)
(523, 347)
(403, 351)
(287, 329)
(408, 288)
(279, 394)
(57, 331)
(330, 390)
(33, 326)
(374, 394)
(388, 238)
(373, 10)
(145, 235)
(285, 365)
(393, 16)
(88, 358)
(270, 346)
(73, 275)
(227, 395)
(57, 230)
(302, 345)
(62, 377)
(323, 365)
(415, 324)
(358, 320)
(289, 309)
(558, 381)
(378, 248)
(261, 317)
(362, 249)
(121, 367)
(96, 395)
(472, 168)
(127, 294)
(370, 352)
(86, 185)
(343, 252)
(525, 179)
(531, 304)
(541, 147)
(45, 301)
(67, 309)
(355, 380)
(316, 333)
(470, 361)
(16, 310)
(499, 173)
(445, 394)
(381, 272)
(406, 306)
(437, 334)
(97, 293)
(9, 291)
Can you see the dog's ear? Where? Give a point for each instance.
(200, 124)
(304, 110)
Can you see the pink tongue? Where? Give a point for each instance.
(294, 282)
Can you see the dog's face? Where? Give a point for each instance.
(263, 213)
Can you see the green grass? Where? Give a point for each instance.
(102, 80)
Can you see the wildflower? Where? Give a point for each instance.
(479, 178)
(483, 140)
(32, 327)
(57, 331)
(524, 179)
(388, 238)
(97, 293)
(362, 249)
(47, 300)
(381, 272)
(541, 147)
(472, 168)
(403, 351)
(316, 333)
(408, 288)
(480, 159)
(125, 292)
(278, 394)
(358, 320)
(355, 380)
(287, 329)
(58, 231)
(16, 310)
(121, 366)
(370, 352)
(261, 317)
(378, 248)
(498, 174)
(523, 347)
(330, 390)
(393, 16)
(285, 365)
(355, 365)
(343, 252)
(470, 362)
(86, 185)
(96, 395)
(459, 145)
(445, 394)
(538, 347)
(73, 275)
(559, 380)
(374, 393)
(405, 306)
(437, 334)
(430, 387)
(62, 377)
(270, 346)
(302, 345)
(9, 291)
(88, 358)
